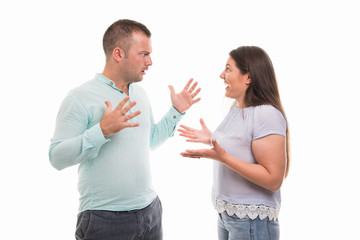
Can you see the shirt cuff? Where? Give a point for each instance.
(174, 115)
(95, 136)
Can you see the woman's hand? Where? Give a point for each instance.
(194, 135)
(216, 153)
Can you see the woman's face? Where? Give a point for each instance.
(236, 82)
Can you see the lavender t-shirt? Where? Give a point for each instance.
(235, 134)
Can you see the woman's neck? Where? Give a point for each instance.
(240, 103)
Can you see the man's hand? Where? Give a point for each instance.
(115, 120)
(185, 99)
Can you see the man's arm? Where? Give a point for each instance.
(74, 142)
(165, 128)
(181, 102)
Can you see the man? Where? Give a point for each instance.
(111, 144)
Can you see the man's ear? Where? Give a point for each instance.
(118, 54)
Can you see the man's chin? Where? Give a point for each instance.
(135, 80)
(139, 79)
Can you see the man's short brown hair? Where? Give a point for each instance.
(119, 34)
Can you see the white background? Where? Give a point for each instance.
(50, 47)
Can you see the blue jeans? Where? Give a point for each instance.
(144, 224)
(234, 228)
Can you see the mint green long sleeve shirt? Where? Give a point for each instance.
(113, 173)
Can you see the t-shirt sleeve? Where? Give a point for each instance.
(268, 120)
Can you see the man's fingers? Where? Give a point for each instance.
(128, 107)
(132, 115)
(130, 125)
(172, 90)
(122, 103)
(195, 93)
(108, 106)
(188, 84)
(196, 100)
(193, 87)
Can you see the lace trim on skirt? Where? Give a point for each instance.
(241, 210)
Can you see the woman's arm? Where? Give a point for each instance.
(269, 152)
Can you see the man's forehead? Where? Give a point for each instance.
(141, 42)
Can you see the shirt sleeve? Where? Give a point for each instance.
(268, 120)
(165, 128)
(73, 142)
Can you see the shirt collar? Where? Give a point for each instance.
(108, 81)
(104, 79)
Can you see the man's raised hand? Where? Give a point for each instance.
(115, 120)
(183, 100)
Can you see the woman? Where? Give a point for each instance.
(251, 149)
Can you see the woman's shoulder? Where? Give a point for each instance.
(267, 120)
(267, 111)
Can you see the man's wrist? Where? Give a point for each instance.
(175, 114)
(181, 112)
(104, 132)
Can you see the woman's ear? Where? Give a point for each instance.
(248, 81)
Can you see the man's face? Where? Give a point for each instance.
(138, 58)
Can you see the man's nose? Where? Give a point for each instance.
(148, 61)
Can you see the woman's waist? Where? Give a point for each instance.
(252, 209)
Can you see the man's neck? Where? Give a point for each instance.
(119, 83)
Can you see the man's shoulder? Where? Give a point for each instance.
(85, 93)
(84, 88)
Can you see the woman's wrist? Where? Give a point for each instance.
(224, 158)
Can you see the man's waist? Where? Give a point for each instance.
(122, 202)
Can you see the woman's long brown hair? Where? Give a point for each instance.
(263, 88)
